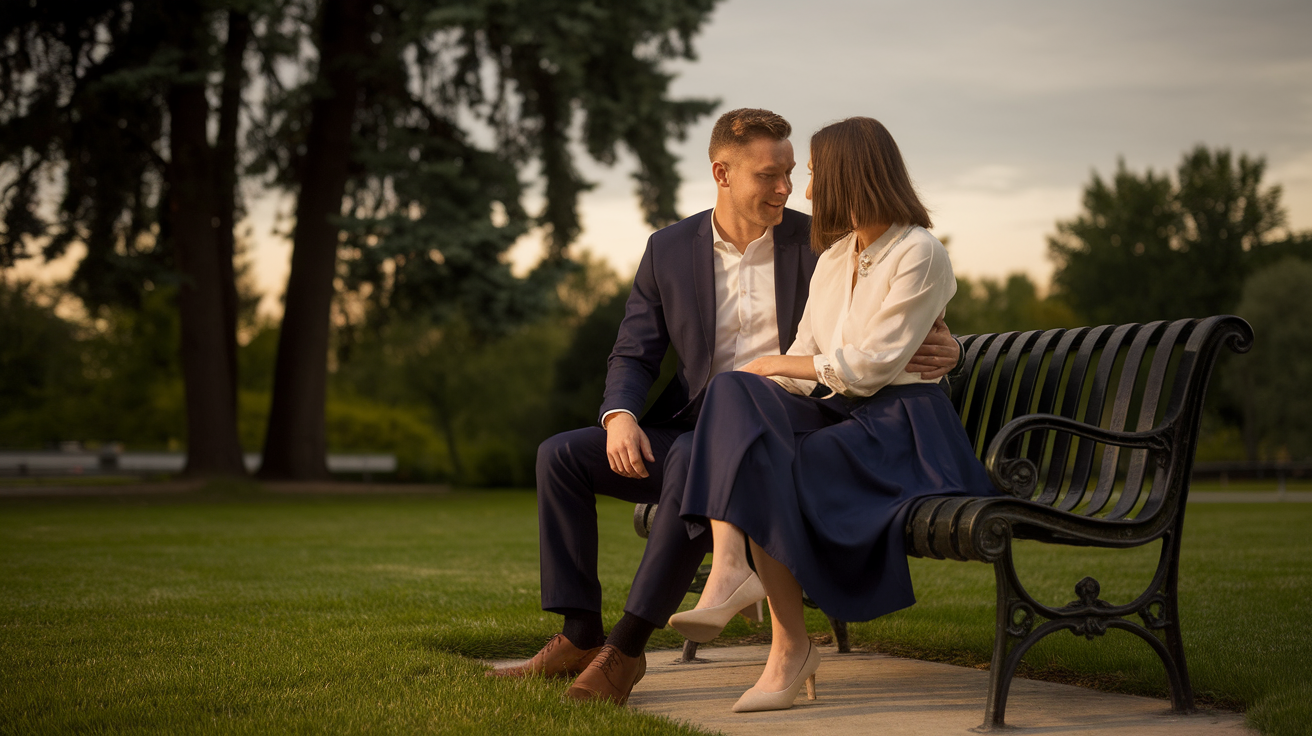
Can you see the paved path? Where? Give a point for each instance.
(872, 693)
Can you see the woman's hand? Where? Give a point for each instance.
(762, 366)
(788, 366)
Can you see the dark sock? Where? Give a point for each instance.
(630, 634)
(583, 628)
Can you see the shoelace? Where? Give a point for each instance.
(611, 661)
(551, 646)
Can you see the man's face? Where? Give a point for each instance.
(759, 177)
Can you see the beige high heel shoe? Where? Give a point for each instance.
(757, 700)
(703, 624)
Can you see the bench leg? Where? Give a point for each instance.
(1177, 669)
(1014, 620)
(689, 652)
(1090, 617)
(840, 635)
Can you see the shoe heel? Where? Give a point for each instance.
(810, 687)
(753, 612)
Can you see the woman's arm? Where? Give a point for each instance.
(921, 285)
(785, 366)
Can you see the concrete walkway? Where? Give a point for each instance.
(872, 693)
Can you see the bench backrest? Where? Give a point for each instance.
(1124, 378)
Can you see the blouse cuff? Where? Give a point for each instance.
(824, 371)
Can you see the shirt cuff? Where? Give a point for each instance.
(961, 357)
(616, 411)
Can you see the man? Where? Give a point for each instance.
(720, 288)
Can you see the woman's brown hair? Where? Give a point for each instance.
(858, 177)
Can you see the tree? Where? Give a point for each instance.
(1111, 259)
(1148, 248)
(405, 142)
(111, 99)
(424, 214)
(39, 364)
(1228, 216)
(1270, 383)
(989, 305)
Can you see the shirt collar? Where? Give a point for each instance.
(894, 232)
(722, 242)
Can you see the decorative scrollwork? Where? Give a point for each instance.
(1085, 610)
(991, 541)
(1020, 619)
(1153, 612)
(1090, 627)
(1017, 477)
(1087, 591)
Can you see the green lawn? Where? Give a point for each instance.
(238, 611)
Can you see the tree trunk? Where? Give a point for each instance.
(225, 179)
(295, 446)
(212, 445)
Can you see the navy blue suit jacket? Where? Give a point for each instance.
(672, 305)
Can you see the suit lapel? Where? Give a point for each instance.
(703, 278)
(786, 267)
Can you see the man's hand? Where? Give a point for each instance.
(627, 446)
(938, 355)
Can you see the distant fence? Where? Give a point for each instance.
(1228, 472)
(110, 462)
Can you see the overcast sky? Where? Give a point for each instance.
(1002, 110)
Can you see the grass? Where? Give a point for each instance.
(237, 612)
(234, 610)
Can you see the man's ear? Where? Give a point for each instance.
(720, 170)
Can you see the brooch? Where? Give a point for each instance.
(864, 263)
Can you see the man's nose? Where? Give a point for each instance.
(785, 186)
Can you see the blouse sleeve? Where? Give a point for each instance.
(803, 344)
(920, 287)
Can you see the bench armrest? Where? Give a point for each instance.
(1017, 476)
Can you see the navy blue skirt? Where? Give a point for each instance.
(825, 485)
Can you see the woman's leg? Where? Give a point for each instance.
(789, 644)
(729, 566)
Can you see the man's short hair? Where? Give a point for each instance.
(744, 125)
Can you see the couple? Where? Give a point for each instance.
(814, 455)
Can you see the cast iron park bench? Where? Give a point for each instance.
(1090, 435)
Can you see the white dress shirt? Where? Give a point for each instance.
(863, 336)
(746, 319)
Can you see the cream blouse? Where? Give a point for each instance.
(863, 336)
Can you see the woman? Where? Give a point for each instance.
(821, 486)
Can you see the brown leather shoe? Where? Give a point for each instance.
(559, 658)
(611, 676)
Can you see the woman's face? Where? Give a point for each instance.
(810, 177)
